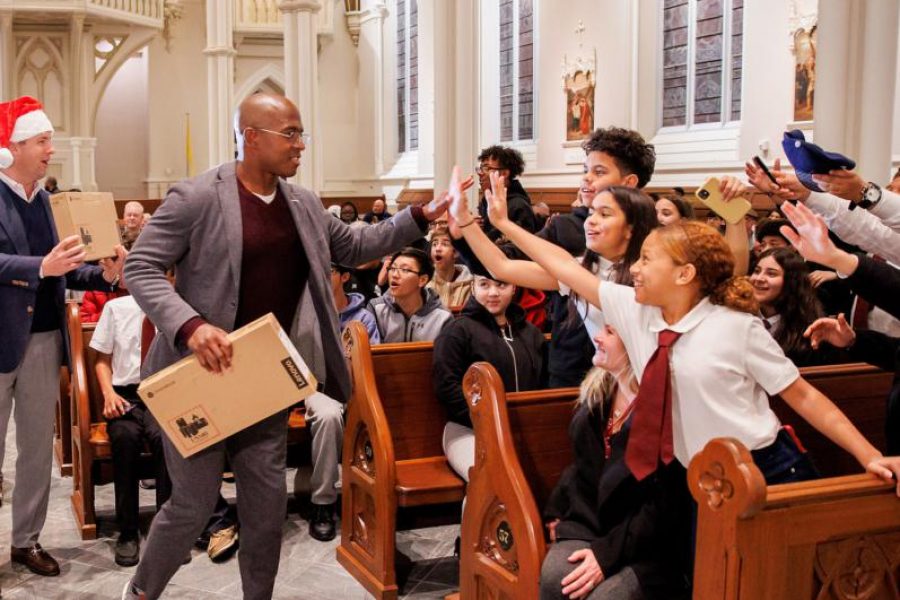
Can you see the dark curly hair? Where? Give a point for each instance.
(632, 154)
(509, 159)
(797, 304)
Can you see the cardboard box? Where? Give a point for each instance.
(92, 215)
(197, 408)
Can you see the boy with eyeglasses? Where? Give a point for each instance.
(408, 311)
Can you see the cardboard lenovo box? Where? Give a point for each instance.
(197, 408)
(92, 215)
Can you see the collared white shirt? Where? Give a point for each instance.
(590, 314)
(770, 323)
(858, 227)
(724, 366)
(118, 333)
(18, 188)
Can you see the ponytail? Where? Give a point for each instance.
(735, 293)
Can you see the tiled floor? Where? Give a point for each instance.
(308, 568)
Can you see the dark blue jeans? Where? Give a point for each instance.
(783, 462)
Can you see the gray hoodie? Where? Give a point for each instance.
(423, 326)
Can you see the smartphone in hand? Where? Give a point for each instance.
(732, 211)
(759, 163)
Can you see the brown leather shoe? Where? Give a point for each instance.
(36, 559)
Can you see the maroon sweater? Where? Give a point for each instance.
(274, 265)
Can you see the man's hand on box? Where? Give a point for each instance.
(112, 267)
(212, 348)
(64, 257)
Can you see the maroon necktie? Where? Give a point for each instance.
(650, 439)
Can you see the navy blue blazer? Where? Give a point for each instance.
(19, 279)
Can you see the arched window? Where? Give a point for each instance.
(701, 57)
(516, 70)
(407, 75)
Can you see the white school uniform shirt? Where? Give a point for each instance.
(590, 314)
(723, 367)
(118, 333)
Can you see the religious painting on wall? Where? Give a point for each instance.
(579, 104)
(804, 73)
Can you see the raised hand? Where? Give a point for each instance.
(731, 188)
(496, 200)
(842, 183)
(836, 332)
(436, 207)
(811, 238)
(459, 206)
(759, 179)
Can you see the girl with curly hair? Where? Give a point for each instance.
(710, 363)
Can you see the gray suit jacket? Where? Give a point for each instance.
(198, 231)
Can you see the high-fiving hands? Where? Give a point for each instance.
(496, 201)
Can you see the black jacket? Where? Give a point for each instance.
(877, 282)
(570, 345)
(475, 336)
(518, 207)
(646, 525)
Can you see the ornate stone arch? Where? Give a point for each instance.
(268, 78)
(129, 44)
(40, 71)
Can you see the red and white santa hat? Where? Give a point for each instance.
(20, 119)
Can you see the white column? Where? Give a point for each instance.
(372, 75)
(856, 63)
(301, 81)
(834, 76)
(443, 29)
(878, 70)
(220, 75)
(456, 71)
(7, 54)
(75, 144)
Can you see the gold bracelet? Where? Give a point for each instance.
(467, 224)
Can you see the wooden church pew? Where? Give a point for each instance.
(392, 454)
(503, 543)
(831, 538)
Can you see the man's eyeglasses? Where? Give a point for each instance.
(291, 135)
(402, 271)
(482, 169)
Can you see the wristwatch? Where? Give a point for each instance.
(871, 195)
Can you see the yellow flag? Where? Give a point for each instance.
(188, 147)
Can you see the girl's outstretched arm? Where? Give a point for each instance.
(523, 273)
(555, 260)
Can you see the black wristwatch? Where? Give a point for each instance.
(871, 195)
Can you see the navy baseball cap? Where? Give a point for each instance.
(809, 159)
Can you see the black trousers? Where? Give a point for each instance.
(128, 436)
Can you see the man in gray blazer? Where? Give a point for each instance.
(243, 242)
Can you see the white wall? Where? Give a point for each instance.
(122, 131)
(178, 87)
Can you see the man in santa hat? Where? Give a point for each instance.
(35, 270)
